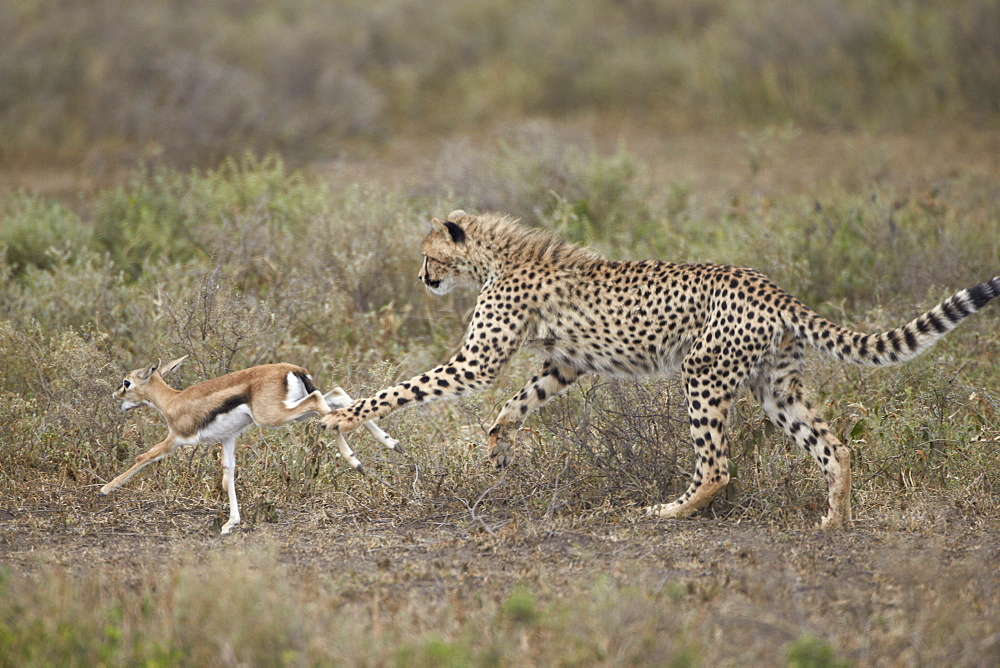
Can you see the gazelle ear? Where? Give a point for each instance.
(147, 373)
(170, 366)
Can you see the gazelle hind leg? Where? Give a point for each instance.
(338, 398)
(347, 453)
(229, 483)
(154, 454)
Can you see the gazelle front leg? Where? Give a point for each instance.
(154, 454)
(229, 483)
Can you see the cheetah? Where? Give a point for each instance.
(725, 327)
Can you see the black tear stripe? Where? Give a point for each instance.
(227, 406)
(306, 381)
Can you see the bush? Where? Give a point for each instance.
(38, 231)
(191, 83)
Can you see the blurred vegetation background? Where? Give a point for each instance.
(248, 181)
(194, 82)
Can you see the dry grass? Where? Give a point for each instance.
(435, 558)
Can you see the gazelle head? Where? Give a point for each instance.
(133, 390)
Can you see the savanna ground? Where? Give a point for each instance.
(858, 170)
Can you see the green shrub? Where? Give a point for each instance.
(37, 231)
(168, 214)
(809, 651)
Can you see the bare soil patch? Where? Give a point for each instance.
(741, 590)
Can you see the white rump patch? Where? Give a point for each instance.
(296, 391)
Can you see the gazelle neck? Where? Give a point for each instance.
(158, 394)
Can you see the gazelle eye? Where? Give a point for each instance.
(126, 384)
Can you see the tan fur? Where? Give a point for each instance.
(217, 410)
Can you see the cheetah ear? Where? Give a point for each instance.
(457, 233)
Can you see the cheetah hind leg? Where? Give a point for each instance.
(698, 495)
(780, 396)
(712, 469)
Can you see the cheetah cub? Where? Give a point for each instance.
(724, 327)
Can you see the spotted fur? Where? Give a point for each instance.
(724, 327)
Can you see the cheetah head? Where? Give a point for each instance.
(446, 255)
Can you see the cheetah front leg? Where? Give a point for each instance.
(550, 381)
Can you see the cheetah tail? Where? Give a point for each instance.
(895, 345)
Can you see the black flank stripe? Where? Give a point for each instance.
(227, 406)
(306, 381)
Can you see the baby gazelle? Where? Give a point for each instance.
(217, 410)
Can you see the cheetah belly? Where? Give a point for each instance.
(607, 354)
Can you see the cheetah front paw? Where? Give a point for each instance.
(501, 451)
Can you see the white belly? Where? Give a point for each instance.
(226, 425)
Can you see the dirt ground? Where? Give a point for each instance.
(81, 530)
(873, 591)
